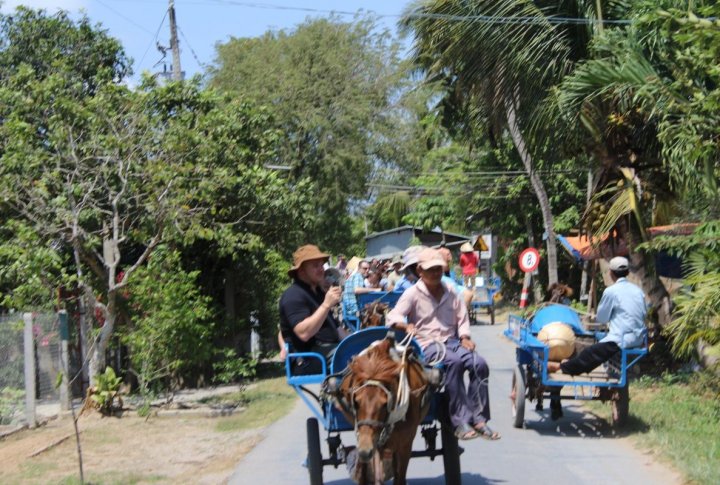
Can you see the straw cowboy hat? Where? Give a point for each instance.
(466, 248)
(306, 253)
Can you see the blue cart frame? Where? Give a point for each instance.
(484, 298)
(334, 422)
(531, 380)
(352, 322)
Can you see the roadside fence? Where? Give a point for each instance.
(33, 352)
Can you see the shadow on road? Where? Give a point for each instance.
(467, 479)
(579, 423)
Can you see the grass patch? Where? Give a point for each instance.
(266, 401)
(114, 478)
(35, 471)
(677, 416)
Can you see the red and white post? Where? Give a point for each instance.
(525, 289)
(528, 262)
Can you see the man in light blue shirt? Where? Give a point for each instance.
(354, 286)
(623, 308)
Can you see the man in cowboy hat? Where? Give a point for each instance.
(306, 318)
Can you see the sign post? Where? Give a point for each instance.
(529, 261)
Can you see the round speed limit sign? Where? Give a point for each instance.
(529, 260)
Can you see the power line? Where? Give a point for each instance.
(496, 19)
(490, 19)
(192, 51)
(124, 17)
(499, 172)
(438, 190)
(154, 39)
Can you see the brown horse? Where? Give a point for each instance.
(371, 397)
(373, 315)
(558, 292)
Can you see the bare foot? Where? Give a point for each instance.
(553, 366)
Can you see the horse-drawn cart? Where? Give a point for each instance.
(327, 412)
(484, 299)
(531, 380)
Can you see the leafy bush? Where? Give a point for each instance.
(10, 402)
(171, 324)
(106, 390)
(697, 310)
(11, 352)
(231, 367)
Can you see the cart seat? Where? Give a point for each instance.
(388, 297)
(357, 342)
(556, 313)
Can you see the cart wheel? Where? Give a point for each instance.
(314, 458)
(621, 406)
(451, 455)
(518, 389)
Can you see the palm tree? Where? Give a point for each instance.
(642, 103)
(497, 59)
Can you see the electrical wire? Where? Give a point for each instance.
(157, 33)
(124, 17)
(192, 51)
(490, 19)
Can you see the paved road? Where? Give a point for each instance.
(577, 449)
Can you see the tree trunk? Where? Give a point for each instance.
(83, 322)
(538, 187)
(652, 287)
(97, 360)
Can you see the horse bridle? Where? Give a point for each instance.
(395, 413)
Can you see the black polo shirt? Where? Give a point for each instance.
(297, 303)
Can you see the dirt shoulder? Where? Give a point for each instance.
(180, 445)
(126, 450)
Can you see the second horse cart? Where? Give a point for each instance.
(532, 382)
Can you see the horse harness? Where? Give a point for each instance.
(396, 407)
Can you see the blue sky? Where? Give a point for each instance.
(202, 23)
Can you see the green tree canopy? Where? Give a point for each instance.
(329, 84)
(52, 43)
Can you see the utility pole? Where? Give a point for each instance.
(174, 44)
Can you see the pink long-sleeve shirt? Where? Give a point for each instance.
(439, 320)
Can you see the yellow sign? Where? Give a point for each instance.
(480, 244)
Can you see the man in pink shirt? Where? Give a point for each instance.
(436, 314)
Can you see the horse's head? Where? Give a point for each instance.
(373, 315)
(556, 292)
(370, 392)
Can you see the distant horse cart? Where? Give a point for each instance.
(378, 386)
(532, 382)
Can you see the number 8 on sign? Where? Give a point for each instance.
(529, 260)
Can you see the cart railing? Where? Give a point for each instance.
(352, 322)
(531, 351)
(352, 345)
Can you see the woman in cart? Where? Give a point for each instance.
(436, 314)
